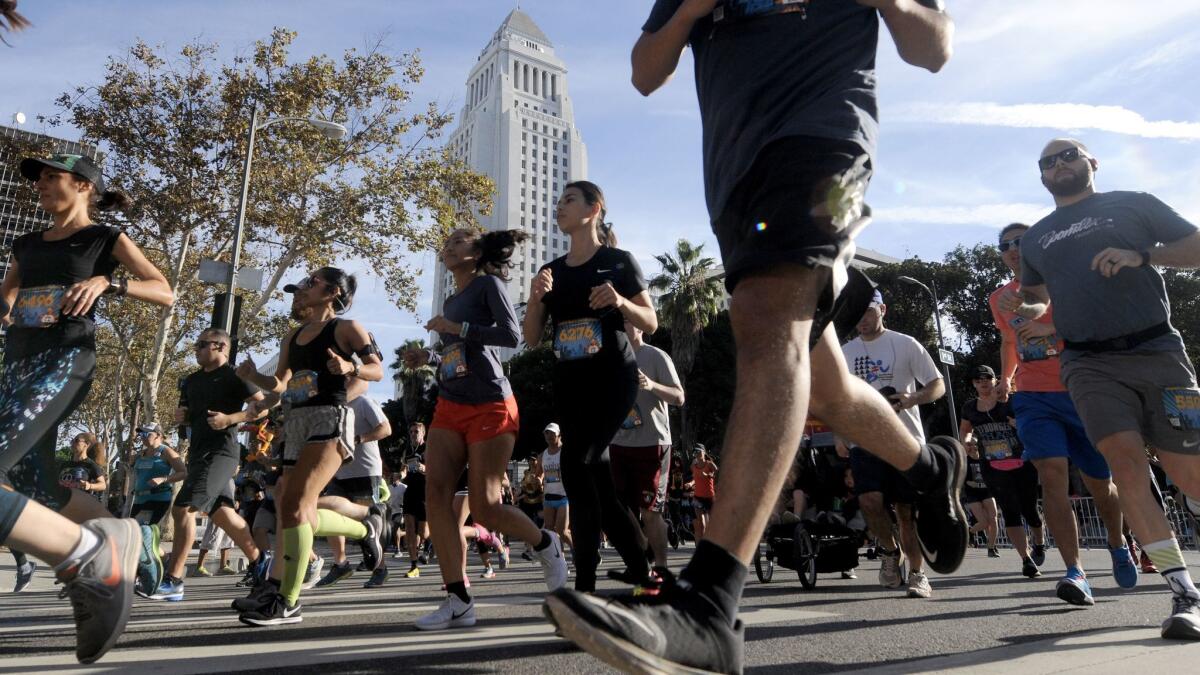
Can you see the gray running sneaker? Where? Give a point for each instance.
(889, 569)
(25, 575)
(554, 563)
(1184, 622)
(312, 573)
(372, 544)
(918, 585)
(101, 586)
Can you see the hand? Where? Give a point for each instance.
(181, 415)
(644, 382)
(78, 299)
(1003, 389)
(156, 481)
(1010, 300)
(218, 421)
(542, 284)
(1112, 260)
(246, 369)
(605, 295)
(1030, 330)
(415, 358)
(903, 401)
(440, 324)
(336, 364)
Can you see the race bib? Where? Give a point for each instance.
(997, 450)
(454, 361)
(1182, 405)
(634, 419)
(38, 307)
(1037, 349)
(578, 339)
(301, 387)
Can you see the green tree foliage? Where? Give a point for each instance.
(531, 374)
(418, 387)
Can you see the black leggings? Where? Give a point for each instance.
(37, 393)
(591, 403)
(1016, 494)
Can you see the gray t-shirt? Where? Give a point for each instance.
(469, 370)
(760, 79)
(648, 423)
(1058, 251)
(367, 415)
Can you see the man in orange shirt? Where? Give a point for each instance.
(704, 475)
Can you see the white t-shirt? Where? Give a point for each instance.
(396, 501)
(552, 481)
(893, 360)
(366, 462)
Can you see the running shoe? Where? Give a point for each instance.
(312, 573)
(1038, 554)
(918, 585)
(1125, 570)
(889, 569)
(527, 554)
(25, 575)
(150, 566)
(452, 613)
(257, 571)
(1030, 569)
(336, 573)
(676, 630)
(1074, 589)
(413, 573)
(993, 553)
(488, 573)
(505, 556)
(259, 597)
(1148, 566)
(1184, 622)
(226, 571)
(200, 571)
(169, 590)
(849, 574)
(274, 613)
(101, 586)
(379, 576)
(554, 564)
(941, 521)
(423, 559)
(372, 544)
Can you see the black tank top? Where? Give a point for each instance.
(312, 384)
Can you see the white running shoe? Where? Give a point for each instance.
(889, 569)
(918, 585)
(452, 613)
(554, 563)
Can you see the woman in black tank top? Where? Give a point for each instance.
(315, 361)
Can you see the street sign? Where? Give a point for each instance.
(946, 356)
(217, 272)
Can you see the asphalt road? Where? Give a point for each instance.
(985, 618)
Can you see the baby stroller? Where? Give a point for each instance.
(810, 547)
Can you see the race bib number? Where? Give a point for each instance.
(578, 339)
(301, 387)
(634, 419)
(454, 361)
(997, 450)
(1182, 405)
(38, 307)
(1037, 349)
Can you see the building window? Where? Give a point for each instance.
(524, 136)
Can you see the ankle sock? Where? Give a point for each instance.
(925, 472)
(718, 575)
(544, 542)
(1167, 557)
(88, 543)
(459, 588)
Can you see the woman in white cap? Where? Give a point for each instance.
(556, 511)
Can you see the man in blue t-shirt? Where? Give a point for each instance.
(787, 100)
(1124, 363)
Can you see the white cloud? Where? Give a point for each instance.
(1063, 116)
(995, 215)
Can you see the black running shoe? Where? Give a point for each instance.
(274, 613)
(259, 597)
(379, 576)
(101, 586)
(941, 521)
(25, 575)
(1038, 554)
(675, 630)
(1030, 569)
(372, 544)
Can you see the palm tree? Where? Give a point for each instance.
(418, 387)
(692, 296)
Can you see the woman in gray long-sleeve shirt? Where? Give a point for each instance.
(476, 419)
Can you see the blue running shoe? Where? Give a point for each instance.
(1074, 589)
(1124, 568)
(169, 590)
(150, 566)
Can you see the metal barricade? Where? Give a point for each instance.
(1092, 533)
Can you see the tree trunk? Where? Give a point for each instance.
(159, 355)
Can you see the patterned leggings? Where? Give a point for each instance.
(37, 393)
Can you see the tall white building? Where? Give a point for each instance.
(518, 128)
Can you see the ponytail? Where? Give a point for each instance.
(112, 200)
(593, 195)
(496, 251)
(10, 19)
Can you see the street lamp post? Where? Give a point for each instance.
(937, 322)
(329, 129)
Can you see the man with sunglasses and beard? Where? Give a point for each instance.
(1124, 364)
(211, 405)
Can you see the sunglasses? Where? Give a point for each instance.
(1067, 156)
(216, 345)
(311, 282)
(1011, 243)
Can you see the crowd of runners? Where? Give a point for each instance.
(1092, 375)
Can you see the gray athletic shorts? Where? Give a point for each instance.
(317, 424)
(264, 519)
(1132, 391)
(214, 538)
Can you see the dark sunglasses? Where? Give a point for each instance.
(1011, 243)
(1067, 156)
(311, 282)
(216, 345)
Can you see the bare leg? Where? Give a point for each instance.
(84, 507)
(488, 460)
(1056, 503)
(991, 527)
(878, 521)
(908, 538)
(656, 535)
(445, 461)
(238, 530)
(185, 535)
(1126, 456)
(1104, 495)
(412, 536)
(44, 534)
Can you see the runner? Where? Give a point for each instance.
(789, 124)
(1128, 375)
(987, 423)
(900, 368)
(1052, 434)
(556, 508)
(47, 299)
(587, 294)
(314, 361)
(704, 483)
(87, 469)
(476, 420)
(977, 498)
(211, 405)
(156, 468)
(416, 527)
(529, 500)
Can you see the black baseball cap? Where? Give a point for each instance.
(983, 373)
(79, 165)
(699, 447)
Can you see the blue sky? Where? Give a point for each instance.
(956, 158)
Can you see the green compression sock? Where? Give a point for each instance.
(297, 544)
(332, 524)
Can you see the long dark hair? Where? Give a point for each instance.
(10, 19)
(346, 285)
(110, 200)
(593, 195)
(496, 250)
